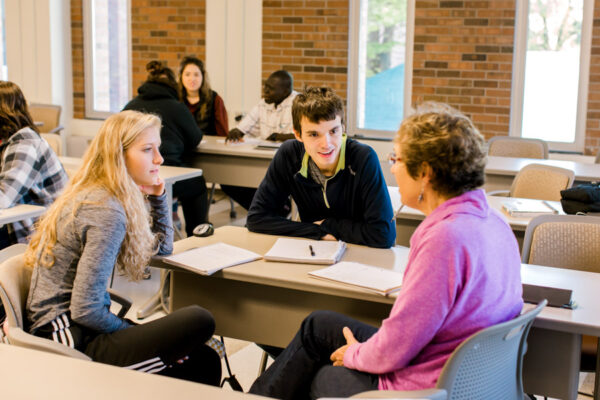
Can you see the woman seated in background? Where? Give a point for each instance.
(463, 275)
(30, 172)
(180, 136)
(205, 104)
(114, 214)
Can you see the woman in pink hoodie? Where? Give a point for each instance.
(463, 275)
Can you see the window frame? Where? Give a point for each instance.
(353, 62)
(88, 60)
(518, 80)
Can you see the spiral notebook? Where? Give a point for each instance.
(209, 259)
(374, 279)
(306, 251)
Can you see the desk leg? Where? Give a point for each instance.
(551, 364)
(597, 375)
(155, 303)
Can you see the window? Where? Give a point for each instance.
(3, 69)
(379, 84)
(551, 70)
(107, 56)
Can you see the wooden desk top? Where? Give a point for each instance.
(32, 374)
(585, 285)
(216, 145)
(20, 212)
(169, 173)
(511, 165)
(517, 224)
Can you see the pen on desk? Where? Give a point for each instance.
(549, 205)
(312, 252)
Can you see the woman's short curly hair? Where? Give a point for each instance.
(443, 138)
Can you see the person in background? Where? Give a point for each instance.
(114, 214)
(30, 171)
(205, 104)
(463, 275)
(180, 136)
(270, 119)
(336, 182)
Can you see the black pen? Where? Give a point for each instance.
(312, 252)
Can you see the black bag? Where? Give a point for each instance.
(581, 199)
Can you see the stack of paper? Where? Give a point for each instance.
(306, 251)
(375, 279)
(530, 208)
(209, 259)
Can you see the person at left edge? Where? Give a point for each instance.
(180, 136)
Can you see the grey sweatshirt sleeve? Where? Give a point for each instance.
(101, 230)
(161, 222)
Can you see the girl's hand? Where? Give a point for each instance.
(154, 190)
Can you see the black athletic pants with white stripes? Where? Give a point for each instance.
(154, 347)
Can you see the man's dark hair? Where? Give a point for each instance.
(284, 77)
(317, 104)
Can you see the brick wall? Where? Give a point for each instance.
(160, 30)
(592, 134)
(165, 30)
(308, 38)
(463, 55)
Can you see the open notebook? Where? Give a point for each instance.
(523, 208)
(209, 259)
(374, 279)
(306, 251)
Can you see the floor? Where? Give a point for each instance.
(244, 357)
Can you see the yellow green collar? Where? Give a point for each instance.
(341, 161)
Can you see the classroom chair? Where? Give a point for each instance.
(15, 278)
(48, 116)
(508, 146)
(488, 365)
(55, 142)
(537, 181)
(597, 160)
(571, 242)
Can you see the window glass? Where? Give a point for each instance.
(109, 44)
(552, 65)
(381, 64)
(3, 69)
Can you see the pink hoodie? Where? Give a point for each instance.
(463, 275)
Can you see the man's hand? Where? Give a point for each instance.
(235, 135)
(154, 190)
(280, 137)
(338, 356)
(328, 236)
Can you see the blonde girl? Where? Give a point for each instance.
(114, 214)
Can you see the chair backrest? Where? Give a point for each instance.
(48, 114)
(15, 278)
(14, 287)
(563, 241)
(488, 365)
(508, 146)
(543, 182)
(54, 141)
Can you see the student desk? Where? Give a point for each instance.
(265, 302)
(500, 171)
(407, 219)
(168, 173)
(32, 374)
(20, 212)
(238, 164)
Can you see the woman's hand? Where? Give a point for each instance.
(338, 356)
(154, 190)
(328, 236)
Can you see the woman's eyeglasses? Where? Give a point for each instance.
(392, 159)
